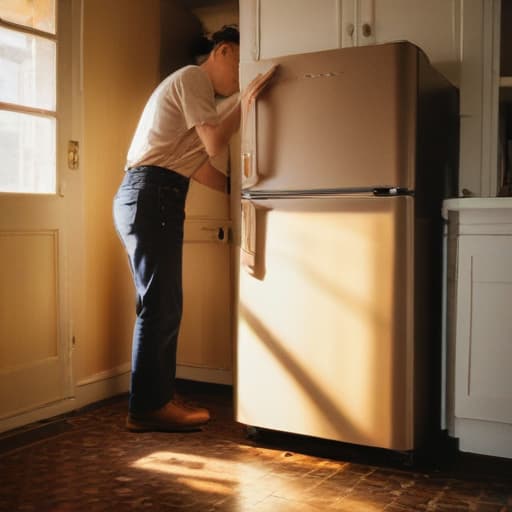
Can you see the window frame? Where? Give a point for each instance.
(35, 111)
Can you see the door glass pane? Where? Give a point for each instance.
(27, 69)
(27, 153)
(39, 14)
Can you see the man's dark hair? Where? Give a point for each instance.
(227, 34)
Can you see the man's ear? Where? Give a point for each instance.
(221, 49)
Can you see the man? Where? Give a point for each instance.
(179, 131)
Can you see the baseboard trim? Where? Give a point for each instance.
(200, 374)
(103, 385)
(115, 372)
(39, 413)
(484, 437)
(93, 389)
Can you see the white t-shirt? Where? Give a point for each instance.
(165, 135)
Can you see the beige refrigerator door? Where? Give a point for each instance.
(334, 119)
(325, 332)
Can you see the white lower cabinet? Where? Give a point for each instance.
(205, 341)
(479, 342)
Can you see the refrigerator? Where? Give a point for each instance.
(346, 157)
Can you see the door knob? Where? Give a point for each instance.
(366, 29)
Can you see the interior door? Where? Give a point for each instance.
(39, 203)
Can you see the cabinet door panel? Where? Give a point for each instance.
(483, 385)
(434, 26)
(296, 26)
(205, 335)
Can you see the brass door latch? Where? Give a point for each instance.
(73, 154)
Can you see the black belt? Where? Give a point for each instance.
(157, 175)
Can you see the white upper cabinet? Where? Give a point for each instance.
(433, 25)
(297, 26)
(285, 27)
(273, 28)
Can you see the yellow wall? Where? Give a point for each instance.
(121, 68)
(128, 46)
(214, 15)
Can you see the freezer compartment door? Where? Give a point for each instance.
(333, 119)
(325, 331)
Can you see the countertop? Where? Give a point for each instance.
(475, 203)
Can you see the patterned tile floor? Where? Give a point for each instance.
(87, 461)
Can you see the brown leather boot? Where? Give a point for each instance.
(174, 416)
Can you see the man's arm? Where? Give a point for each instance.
(211, 177)
(216, 137)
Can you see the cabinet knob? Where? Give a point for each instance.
(350, 29)
(366, 29)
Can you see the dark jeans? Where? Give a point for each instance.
(149, 212)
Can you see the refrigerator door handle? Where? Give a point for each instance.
(248, 238)
(248, 145)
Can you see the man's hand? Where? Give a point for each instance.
(253, 90)
(216, 137)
